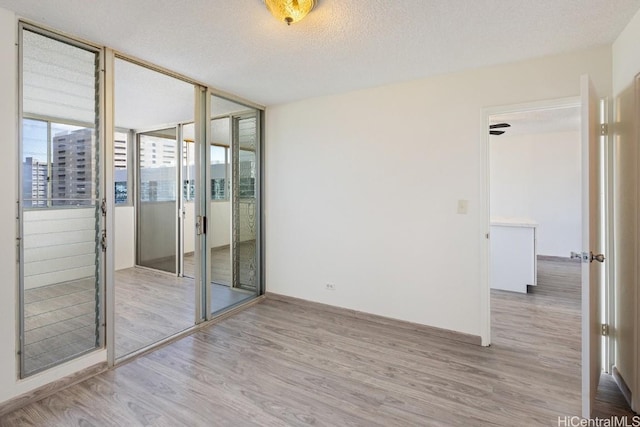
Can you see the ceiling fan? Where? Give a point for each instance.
(498, 126)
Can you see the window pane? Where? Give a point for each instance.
(157, 158)
(121, 164)
(219, 170)
(74, 165)
(59, 80)
(35, 163)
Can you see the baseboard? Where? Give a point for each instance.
(51, 388)
(557, 258)
(429, 330)
(622, 385)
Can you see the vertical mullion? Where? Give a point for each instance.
(109, 193)
(20, 216)
(260, 285)
(235, 205)
(49, 196)
(179, 202)
(202, 254)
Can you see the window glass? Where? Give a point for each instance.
(121, 167)
(61, 223)
(35, 163)
(219, 172)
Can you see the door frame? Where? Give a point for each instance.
(102, 223)
(484, 204)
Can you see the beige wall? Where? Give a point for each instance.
(626, 65)
(362, 188)
(539, 176)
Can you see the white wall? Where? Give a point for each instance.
(221, 224)
(362, 188)
(125, 252)
(538, 176)
(10, 386)
(626, 64)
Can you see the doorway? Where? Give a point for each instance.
(593, 201)
(191, 203)
(153, 302)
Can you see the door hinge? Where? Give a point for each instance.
(604, 330)
(582, 256)
(103, 240)
(604, 129)
(103, 207)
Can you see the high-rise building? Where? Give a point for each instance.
(74, 166)
(35, 183)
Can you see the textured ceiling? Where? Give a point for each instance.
(237, 46)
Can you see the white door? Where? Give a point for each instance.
(591, 245)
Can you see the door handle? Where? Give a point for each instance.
(599, 257)
(201, 225)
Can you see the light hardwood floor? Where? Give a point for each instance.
(221, 265)
(60, 321)
(152, 306)
(282, 363)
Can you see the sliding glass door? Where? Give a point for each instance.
(158, 200)
(235, 195)
(153, 299)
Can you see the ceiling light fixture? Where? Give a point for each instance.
(289, 11)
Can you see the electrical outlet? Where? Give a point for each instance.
(330, 286)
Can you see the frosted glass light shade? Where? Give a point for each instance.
(289, 11)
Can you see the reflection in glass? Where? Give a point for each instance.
(245, 217)
(152, 299)
(121, 167)
(157, 162)
(234, 180)
(61, 254)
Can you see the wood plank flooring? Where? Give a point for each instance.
(279, 363)
(152, 306)
(220, 265)
(60, 321)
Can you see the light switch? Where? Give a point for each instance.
(463, 207)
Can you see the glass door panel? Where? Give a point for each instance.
(188, 198)
(157, 200)
(234, 173)
(61, 218)
(220, 158)
(245, 203)
(152, 301)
